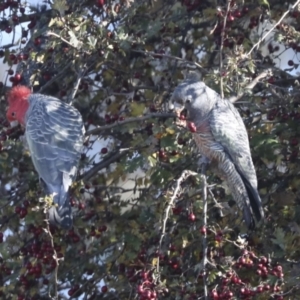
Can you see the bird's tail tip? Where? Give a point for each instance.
(61, 213)
(56, 217)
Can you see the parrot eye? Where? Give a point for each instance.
(188, 101)
(13, 114)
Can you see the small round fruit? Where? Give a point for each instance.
(104, 150)
(192, 127)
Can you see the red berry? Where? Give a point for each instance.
(23, 213)
(162, 154)
(263, 260)
(101, 2)
(192, 127)
(203, 230)
(12, 56)
(182, 117)
(81, 206)
(18, 77)
(37, 41)
(104, 150)
(17, 209)
(230, 18)
(218, 238)
(192, 217)
(104, 289)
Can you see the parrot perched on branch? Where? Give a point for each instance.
(54, 132)
(221, 137)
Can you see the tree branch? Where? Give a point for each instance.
(130, 120)
(184, 175)
(104, 164)
(204, 240)
(272, 28)
(251, 85)
(221, 49)
(171, 57)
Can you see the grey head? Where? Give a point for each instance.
(194, 96)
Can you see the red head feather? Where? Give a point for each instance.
(18, 103)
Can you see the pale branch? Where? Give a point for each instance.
(103, 164)
(149, 53)
(55, 273)
(50, 33)
(272, 28)
(204, 240)
(218, 205)
(184, 175)
(80, 75)
(130, 120)
(251, 85)
(221, 49)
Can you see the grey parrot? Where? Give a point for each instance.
(221, 137)
(54, 133)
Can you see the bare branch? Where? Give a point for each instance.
(130, 120)
(221, 49)
(272, 28)
(184, 175)
(49, 33)
(56, 260)
(171, 57)
(80, 75)
(204, 240)
(251, 85)
(104, 164)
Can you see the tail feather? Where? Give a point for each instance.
(255, 201)
(248, 216)
(61, 212)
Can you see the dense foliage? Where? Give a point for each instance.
(118, 62)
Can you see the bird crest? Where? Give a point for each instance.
(18, 93)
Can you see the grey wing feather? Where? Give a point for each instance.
(229, 130)
(54, 133)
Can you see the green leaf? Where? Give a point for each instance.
(279, 238)
(137, 109)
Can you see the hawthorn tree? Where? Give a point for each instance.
(178, 235)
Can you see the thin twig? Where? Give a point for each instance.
(218, 205)
(251, 85)
(170, 57)
(80, 75)
(56, 260)
(130, 120)
(184, 175)
(221, 50)
(49, 33)
(272, 28)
